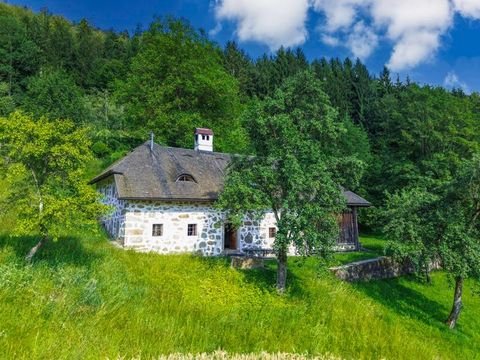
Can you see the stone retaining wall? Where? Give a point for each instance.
(372, 269)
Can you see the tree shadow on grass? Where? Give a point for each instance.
(66, 250)
(264, 278)
(405, 301)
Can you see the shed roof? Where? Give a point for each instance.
(146, 174)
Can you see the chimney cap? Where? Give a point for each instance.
(203, 131)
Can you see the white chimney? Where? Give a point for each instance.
(203, 139)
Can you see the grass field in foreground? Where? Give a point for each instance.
(83, 299)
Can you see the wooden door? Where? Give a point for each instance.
(347, 230)
(230, 241)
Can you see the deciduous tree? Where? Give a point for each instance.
(45, 162)
(177, 82)
(296, 171)
(440, 224)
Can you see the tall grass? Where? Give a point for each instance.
(84, 299)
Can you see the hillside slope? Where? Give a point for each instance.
(86, 299)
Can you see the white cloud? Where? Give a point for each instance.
(468, 8)
(413, 27)
(403, 16)
(339, 14)
(413, 48)
(362, 40)
(452, 81)
(215, 30)
(273, 22)
(330, 40)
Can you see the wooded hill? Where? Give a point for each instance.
(171, 78)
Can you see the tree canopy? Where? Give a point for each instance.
(44, 165)
(177, 82)
(297, 170)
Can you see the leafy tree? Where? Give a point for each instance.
(440, 225)
(296, 171)
(54, 94)
(45, 163)
(7, 104)
(177, 82)
(108, 124)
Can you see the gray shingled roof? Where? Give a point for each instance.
(151, 175)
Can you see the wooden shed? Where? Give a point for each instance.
(348, 221)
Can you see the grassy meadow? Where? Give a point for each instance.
(83, 298)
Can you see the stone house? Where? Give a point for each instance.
(163, 201)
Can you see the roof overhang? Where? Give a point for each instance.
(104, 176)
(170, 199)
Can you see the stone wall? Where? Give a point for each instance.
(114, 222)
(254, 234)
(131, 223)
(175, 218)
(379, 268)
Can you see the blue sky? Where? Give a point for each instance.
(433, 41)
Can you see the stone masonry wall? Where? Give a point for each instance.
(114, 222)
(254, 234)
(379, 268)
(131, 223)
(175, 217)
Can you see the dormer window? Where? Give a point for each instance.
(186, 177)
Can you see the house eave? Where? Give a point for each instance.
(163, 199)
(359, 205)
(103, 176)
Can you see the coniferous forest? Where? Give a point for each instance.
(92, 95)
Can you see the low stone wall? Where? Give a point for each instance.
(244, 262)
(372, 269)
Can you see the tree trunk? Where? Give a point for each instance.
(35, 249)
(282, 271)
(457, 303)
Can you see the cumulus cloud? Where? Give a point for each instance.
(362, 40)
(452, 81)
(414, 28)
(330, 40)
(215, 30)
(272, 22)
(339, 14)
(413, 48)
(468, 8)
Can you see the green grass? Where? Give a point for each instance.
(374, 244)
(372, 247)
(84, 299)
